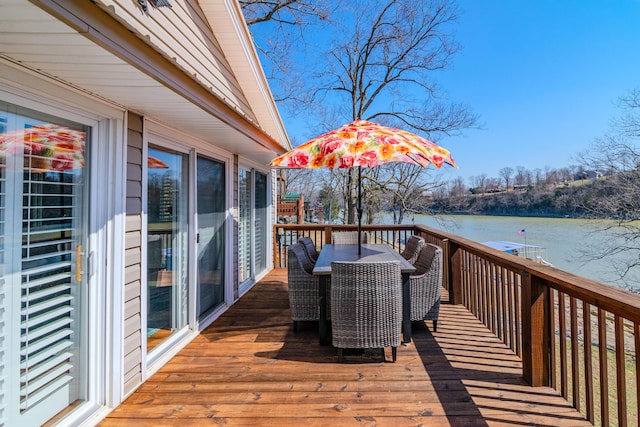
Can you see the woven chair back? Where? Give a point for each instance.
(366, 304)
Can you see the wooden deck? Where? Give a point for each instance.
(250, 369)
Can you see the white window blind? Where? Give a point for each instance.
(47, 275)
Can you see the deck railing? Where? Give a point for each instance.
(579, 336)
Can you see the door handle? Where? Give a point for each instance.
(79, 263)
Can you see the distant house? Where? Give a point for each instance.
(135, 201)
(493, 188)
(589, 174)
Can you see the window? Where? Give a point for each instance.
(167, 250)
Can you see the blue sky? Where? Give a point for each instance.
(543, 76)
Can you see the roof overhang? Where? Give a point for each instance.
(77, 43)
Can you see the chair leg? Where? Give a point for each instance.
(295, 326)
(340, 356)
(394, 354)
(435, 326)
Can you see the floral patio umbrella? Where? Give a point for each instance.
(51, 147)
(363, 144)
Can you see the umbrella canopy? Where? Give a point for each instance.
(363, 144)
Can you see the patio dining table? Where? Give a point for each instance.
(369, 253)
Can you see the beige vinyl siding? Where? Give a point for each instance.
(133, 258)
(182, 34)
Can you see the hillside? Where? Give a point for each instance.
(579, 200)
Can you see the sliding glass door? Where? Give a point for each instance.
(44, 226)
(211, 201)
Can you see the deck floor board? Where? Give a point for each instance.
(250, 369)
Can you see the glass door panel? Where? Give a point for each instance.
(252, 224)
(167, 232)
(211, 201)
(43, 291)
(261, 222)
(244, 225)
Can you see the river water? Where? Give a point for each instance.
(568, 241)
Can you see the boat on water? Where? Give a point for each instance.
(532, 252)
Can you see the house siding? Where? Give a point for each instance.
(133, 257)
(182, 33)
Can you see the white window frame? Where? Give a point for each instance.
(206, 149)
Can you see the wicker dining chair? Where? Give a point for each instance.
(426, 285)
(348, 237)
(412, 248)
(366, 305)
(304, 295)
(310, 247)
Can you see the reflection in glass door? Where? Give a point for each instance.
(167, 231)
(43, 289)
(211, 234)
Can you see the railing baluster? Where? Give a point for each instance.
(518, 321)
(512, 321)
(487, 293)
(482, 290)
(497, 271)
(505, 310)
(636, 337)
(575, 348)
(604, 373)
(621, 388)
(498, 293)
(588, 362)
(564, 386)
(467, 278)
(492, 305)
(552, 328)
(475, 289)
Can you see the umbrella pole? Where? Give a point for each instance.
(359, 210)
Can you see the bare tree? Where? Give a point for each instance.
(618, 196)
(401, 187)
(382, 66)
(506, 173)
(479, 183)
(288, 12)
(539, 176)
(521, 176)
(303, 181)
(280, 27)
(457, 187)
